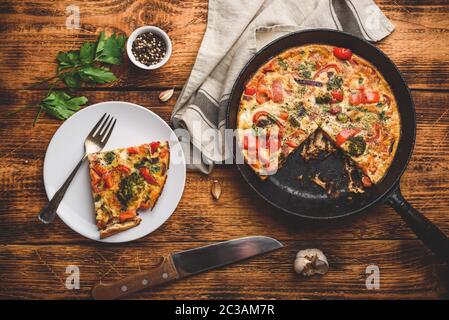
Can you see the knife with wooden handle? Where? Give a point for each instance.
(187, 263)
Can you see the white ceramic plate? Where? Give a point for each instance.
(135, 125)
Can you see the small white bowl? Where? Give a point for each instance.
(156, 31)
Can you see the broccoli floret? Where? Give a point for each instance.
(335, 83)
(324, 98)
(343, 118)
(357, 146)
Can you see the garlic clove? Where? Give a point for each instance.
(300, 265)
(164, 96)
(216, 189)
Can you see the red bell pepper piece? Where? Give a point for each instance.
(272, 142)
(100, 170)
(355, 98)
(154, 146)
(127, 215)
(337, 96)
(325, 68)
(263, 95)
(291, 144)
(370, 97)
(246, 142)
(250, 91)
(147, 176)
(366, 182)
(95, 178)
(283, 115)
(270, 67)
(278, 91)
(260, 114)
(342, 53)
(144, 206)
(123, 169)
(345, 135)
(133, 150)
(364, 96)
(108, 181)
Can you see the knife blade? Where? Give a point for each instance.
(186, 263)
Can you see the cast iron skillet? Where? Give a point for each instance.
(299, 198)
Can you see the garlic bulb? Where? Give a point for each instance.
(311, 261)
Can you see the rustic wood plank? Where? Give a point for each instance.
(420, 28)
(33, 32)
(39, 272)
(238, 212)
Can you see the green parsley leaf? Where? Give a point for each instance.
(72, 80)
(62, 105)
(96, 74)
(100, 43)
(87, 52)
(112, 50)
(121, 40)
(68, 59)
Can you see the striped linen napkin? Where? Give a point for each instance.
(235, 31)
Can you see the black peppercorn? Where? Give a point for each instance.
(149, 48)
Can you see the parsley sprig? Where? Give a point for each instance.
(88, 65)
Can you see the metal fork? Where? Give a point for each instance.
(95, 141)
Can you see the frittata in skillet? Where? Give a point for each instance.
(319, 86)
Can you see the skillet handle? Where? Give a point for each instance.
(429, 233)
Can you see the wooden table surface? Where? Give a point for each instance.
(34, 257)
